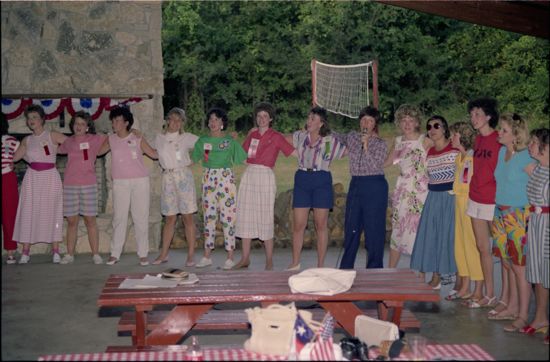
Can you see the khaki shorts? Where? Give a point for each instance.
(480, 211)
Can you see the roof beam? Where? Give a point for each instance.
(524, 17)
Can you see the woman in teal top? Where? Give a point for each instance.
(218, 152)
(510, 220)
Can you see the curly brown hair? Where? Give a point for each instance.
(405, 110)
(467, 133)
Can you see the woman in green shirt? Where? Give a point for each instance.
(218, 153)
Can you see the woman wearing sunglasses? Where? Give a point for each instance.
(434, 245)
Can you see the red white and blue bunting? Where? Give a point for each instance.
(13, 108)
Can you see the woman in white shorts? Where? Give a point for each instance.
(481, 203)
(178, 195)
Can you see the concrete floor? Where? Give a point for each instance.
(51, 309)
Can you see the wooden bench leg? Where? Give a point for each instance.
(141, 324)
(390, 311)
(178, 322)
(344, 312)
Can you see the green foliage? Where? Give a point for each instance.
(235, 54)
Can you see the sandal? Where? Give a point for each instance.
(494, 311)
(498, 317)
(453, 296)
(11, 259)
(512, 328)
(476, 304)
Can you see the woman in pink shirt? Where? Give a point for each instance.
(130, 184)
(80, 183)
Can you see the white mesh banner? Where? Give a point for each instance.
(342, 89)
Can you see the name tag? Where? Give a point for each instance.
(178, 155)
(207, 149)
(46, 148)
(84, 146)
(253, 149)
(134, 155)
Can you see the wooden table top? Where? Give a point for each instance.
(264, 286)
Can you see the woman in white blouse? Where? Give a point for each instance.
(178, 194)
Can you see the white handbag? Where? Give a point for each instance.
(373, 331)
(272, 329)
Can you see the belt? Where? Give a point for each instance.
(308, 169)
(168, 170)
(539, 209)
(41, 166)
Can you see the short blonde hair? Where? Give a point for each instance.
(520, 130)
(181, 114)
(405, 110)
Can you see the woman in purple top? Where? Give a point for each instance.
(367, 198)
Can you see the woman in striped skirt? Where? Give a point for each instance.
(538, 233)
(40, 213)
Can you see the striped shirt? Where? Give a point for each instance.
(317, 155)
(441, 168)
(538, 187)
(9, 146)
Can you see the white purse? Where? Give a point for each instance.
(372, 331)
(272, 329)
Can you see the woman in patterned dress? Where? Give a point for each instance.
(538, 231)
(409, 153)
(434, 245)
(40, 213)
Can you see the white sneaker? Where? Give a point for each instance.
(67, 259)
(57, 258)
(97, 259)
(204, 262)
(24, 259)
(228, 264)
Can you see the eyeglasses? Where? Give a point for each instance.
(435, 125)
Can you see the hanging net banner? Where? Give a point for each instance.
(344, 89)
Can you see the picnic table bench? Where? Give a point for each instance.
(223, 320)
(389, 287)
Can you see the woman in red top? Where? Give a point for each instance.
(481, 203)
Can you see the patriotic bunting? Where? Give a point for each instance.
(13, 108)
(52, 107)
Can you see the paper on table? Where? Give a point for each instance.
(148, 281)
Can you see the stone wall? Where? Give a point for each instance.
(113, 49)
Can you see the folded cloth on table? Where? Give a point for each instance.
(322, 281)
(149, 281)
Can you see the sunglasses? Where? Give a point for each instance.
(435, 126)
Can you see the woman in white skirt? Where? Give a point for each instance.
(257, 191)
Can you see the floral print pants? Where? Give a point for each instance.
(219, 195)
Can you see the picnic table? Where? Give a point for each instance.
(390, 287)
